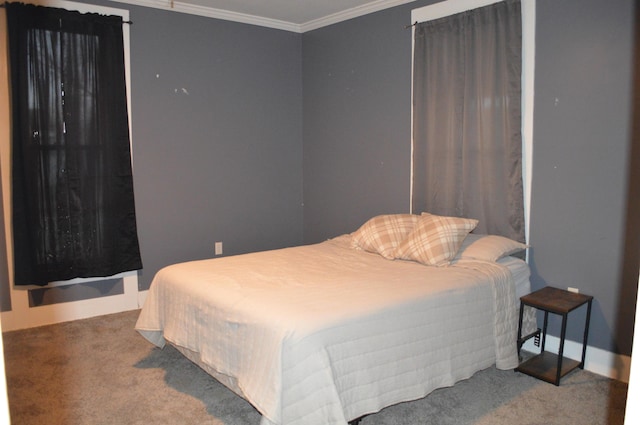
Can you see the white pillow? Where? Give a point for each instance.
(435, 240)
(488, 247)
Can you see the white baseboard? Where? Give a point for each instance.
(597, 360)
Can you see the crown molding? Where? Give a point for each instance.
(210, 12)
(355, 12)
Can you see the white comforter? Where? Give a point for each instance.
(323, 334)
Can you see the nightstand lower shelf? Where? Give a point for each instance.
(544, 366)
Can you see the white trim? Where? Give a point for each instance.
(632, 412)
(354, 12)
(227, 15)
(5, 418)
(210, 12)
(597, 360)
(411, 160)
(451, 7)
(447, 8)
(21, 315)
(73, 281)
(528, 91)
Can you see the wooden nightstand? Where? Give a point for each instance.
(548, 366)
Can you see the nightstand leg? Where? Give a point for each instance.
(544, 331)
(586, 334)
(520, 328)
(561, 350)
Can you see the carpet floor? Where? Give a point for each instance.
(101, 371)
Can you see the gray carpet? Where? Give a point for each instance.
(100, 371)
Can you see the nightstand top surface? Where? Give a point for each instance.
(555, 300)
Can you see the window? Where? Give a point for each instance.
(73, 205)
(443, 12)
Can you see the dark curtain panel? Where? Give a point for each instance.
(467, 120)
(73, 203)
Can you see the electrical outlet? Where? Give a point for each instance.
(575, 290)
(218, 248)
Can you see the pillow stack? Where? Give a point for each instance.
(430, 239)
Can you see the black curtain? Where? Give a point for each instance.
(72, 182)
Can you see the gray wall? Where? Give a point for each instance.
(356, 145)
(582, 123)
(357, 121)
(223, 162)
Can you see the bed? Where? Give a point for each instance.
(327, 333)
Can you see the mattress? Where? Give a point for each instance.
(323, 334)
(520, 273)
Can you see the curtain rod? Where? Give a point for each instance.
(2, 6)
(411, 25)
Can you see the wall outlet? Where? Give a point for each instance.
(218, 248)
(575, 290)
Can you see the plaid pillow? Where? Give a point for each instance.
(383, 233)
(435, 240)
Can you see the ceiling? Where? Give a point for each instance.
(290, 15)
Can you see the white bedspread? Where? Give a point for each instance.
(323, 334)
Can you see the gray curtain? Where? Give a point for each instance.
(467, 153)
